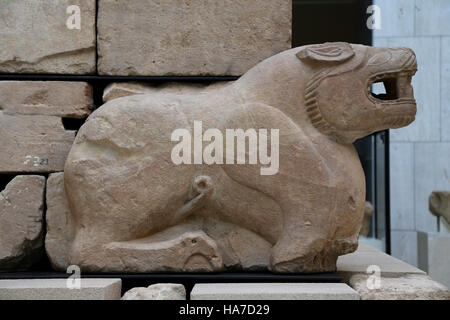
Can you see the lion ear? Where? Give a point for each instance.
(326, 52)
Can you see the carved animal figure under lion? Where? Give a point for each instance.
(134, 210)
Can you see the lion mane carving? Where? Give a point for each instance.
(134, 210)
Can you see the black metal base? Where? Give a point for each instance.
(187, 279)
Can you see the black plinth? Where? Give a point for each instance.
(187, 279)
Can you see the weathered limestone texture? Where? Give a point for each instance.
(32, 135)
(49, 98)
(59, 224)
(273, 291)
(57, 289)
(159, 291)
(360, 261)
(21, 214)
(406, 287)
(368, 212)
(122, 89)
(35, 37)
(217, 37)
(138, 208)
(440, 204)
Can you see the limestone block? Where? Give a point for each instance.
(33, 143)
(36, 38)
(32, 135)
(433, 255)
(122, 89)
(21, 214)
(59, 223)
(57, 289)
(404, 287)
(273, 291)
(368, 212)
(190, 38)
(159, 291)
(366, 256)
(50, 98)
(401, 162)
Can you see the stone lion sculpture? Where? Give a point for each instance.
(134, 210)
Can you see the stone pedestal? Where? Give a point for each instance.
(21, 215)
(434, 257)
(273, 291)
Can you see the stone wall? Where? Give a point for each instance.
(53, 38)
(419, 153)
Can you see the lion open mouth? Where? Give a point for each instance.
(396, 86)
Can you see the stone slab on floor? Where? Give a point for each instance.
(434, 255)
(273, 291)
(405, 287)
(52, 98)
(56, 289)
(366, 256)
(216, 37)
(35, 37)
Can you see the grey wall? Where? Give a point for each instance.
(419, 153)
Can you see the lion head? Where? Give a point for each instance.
(338, 97)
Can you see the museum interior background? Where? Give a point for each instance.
(416, 159)
(404, 166)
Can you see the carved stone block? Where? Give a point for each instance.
(440, 204)
(143, 202)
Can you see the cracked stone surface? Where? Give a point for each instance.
(405, 287)
(32, 134)
(35, 38)
(172, 37)
(21, 214)
(51, 98)
(139, 210)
